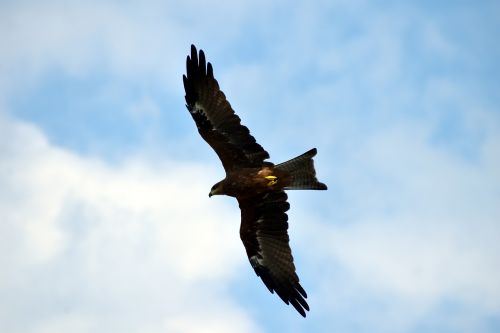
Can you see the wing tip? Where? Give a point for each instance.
(194, 53)
(299, 307)
(210, 70)
(196, 65)
(293, 294)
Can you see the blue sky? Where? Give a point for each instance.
(105, 222)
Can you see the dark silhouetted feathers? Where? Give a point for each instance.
(215, 119)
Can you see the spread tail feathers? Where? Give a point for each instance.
(301, 170)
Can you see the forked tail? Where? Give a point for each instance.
(302, 173)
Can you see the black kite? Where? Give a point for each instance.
(258, 185)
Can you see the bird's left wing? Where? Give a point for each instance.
(264, 234)
(216, 121)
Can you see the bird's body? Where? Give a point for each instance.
(258, 185)
(250, 181)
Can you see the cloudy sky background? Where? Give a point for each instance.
(105, 222)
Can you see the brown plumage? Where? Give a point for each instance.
(258, 185)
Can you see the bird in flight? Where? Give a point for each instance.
(258, 185)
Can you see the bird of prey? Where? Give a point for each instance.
(258, 185)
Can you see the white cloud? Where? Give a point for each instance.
(146, 40)
(129, 247)
(422, 233)
(93, 246)
(79, 38)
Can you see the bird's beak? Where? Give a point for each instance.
(215, 191)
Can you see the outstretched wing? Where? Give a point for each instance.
(215, 119)
(264, 233)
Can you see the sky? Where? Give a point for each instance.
(105, 221)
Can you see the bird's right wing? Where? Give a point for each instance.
(216, 121)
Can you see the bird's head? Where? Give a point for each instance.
(217, 189)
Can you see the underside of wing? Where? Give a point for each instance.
(216, 121)
(264, 234)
